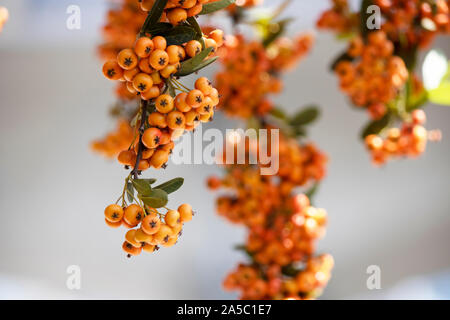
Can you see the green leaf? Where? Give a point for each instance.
(198, 30)
(278, 113)
(441, 95)
(130, 192)
(172, 185)
(156, 199)
(196, 63)
(159, 28)
(216, 6)
(143, 186)
(375, 127)
(305, 116)
(312, 192)
(274, 30)
(178, 35)
(154, 16)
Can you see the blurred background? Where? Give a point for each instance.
(54, 101)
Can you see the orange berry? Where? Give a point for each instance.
(141, 237)
(145, 66)
(133, 215)
(112, 70)
(195, 10)
(153, 93)
(193, 48)
(127, 158)
(147, 154)
(176, 120)
(217, 36)
(174, 53)
(159, 158)
(180, 102)
(207, 106)
(195, 98)
(127, 59)
(144, 47)
(186, 212)
(114, 213)
(164, 103)
(157, 119)
(151, 224)
(169, 70)
(191, 116)
(160, 43)
(164, 234)
(172, 218)
(211, 43)
(149, 248)
(130, 238)
(177, 16)
(151, 138)
(130, 249)
(204, 85)
(130, 74)
(171, 242)
(159, 59)
(142, 82)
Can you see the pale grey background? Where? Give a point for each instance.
(53, 191)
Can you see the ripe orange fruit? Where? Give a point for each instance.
(114, 213)
(151, 138)
(176, 120)
(130, 249)
(127, 59)
(172, 218)
(144, 47)
(195, 98)
(186, 213)
(112, 70)
(193, 48)
(151, 224)
(142, 82)
(133, 215)
(164, 103)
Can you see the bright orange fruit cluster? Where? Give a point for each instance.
(250, 72)
(116, 141)
(375, 76)
(402, 17)
(258, 282)
(408, 141)
(177, 11)
(282, 229)
(153, 229)
(339, 18)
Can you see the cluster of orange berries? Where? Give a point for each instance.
(339, 18)
(257, 282)
(282, 229)
(116, 141)
(4, 15)
(250, 72)
(408, 141)
(256, 196)
(417, 21)
(145, 68)
(375, 76)
(177, 11)
(170, 119)
(152, 228)
(290, 237)
(122, 24)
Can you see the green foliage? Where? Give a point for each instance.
(216, 6)
(172, 185)
(157, 198)
(154, 16)
(196, 63)
(376, 126)
(306, 116)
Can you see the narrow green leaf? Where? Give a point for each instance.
(196, 63)
(274, 31)
(159, 28)
(278, 113)
(375, 127)
(198, 30)
(156, 199)
(216, 6)
(154, 16)
(178, 35)
(130, 192)
(305, 116)
(312, 192)
(172, 185)
(143, 186)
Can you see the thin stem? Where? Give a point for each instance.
(143, 107)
